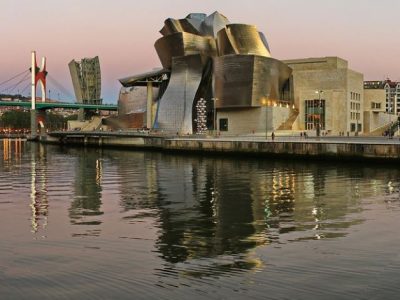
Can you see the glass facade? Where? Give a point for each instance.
(314, 114)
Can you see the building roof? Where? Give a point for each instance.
(392, 84)
(155, 76)
(380, 84)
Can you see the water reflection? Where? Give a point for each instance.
(39, 202)
(12, 150)
(210, 214)
(222, 209)
(86, 205)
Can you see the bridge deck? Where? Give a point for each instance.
(50, 105)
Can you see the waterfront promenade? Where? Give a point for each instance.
(327, 147)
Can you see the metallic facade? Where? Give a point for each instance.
(210, 58)
(175, 110)
(183, 44)
(242, 39)
(248, 80)
(134, 99)
(186, 48)
(86, 79)
(245, 75)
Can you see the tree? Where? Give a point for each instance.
(16, 119)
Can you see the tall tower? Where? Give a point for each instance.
(86, 79)
(38, 75)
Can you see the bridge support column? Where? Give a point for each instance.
(149, 113)
(33, 124)
(41, 120)
(81, 115)
(38, 75)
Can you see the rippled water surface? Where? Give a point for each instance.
(107, 224)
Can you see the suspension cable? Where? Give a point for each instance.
(59, 86)
(25, 88)
(10, 89)
(8, 80)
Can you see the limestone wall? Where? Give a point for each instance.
(252, 120)
(338, 83)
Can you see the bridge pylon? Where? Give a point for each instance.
(38, 75)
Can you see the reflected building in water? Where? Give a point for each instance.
(86, 205)
(215, 208)
(219, 207)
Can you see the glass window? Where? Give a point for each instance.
(315, 114)
(223, 124)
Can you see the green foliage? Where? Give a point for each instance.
(55, 121)
(16, 119)
(71, 118)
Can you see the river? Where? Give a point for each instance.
(92, 223)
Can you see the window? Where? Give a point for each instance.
(315, 114)
(223, 124)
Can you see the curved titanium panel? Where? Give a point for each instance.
(245, 80)
(189, 27)
(134, 99)
(214, 23)
(171, 26)
(270, 77)
(176, 105)
(199, 24)
(224, 46)
(182, 44)
(196, 20)
(244, 39)
(265, 42)
(233, 79)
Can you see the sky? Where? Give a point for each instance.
(123, 32)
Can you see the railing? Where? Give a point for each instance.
(50, 105)
(393, 128)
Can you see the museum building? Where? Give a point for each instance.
(220, 77)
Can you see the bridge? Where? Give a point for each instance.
(65, 105)
(37, 76)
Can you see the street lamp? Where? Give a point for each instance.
(318, 129)
(215, 115)
(264, 102)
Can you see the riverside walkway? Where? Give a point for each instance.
(326, 147)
